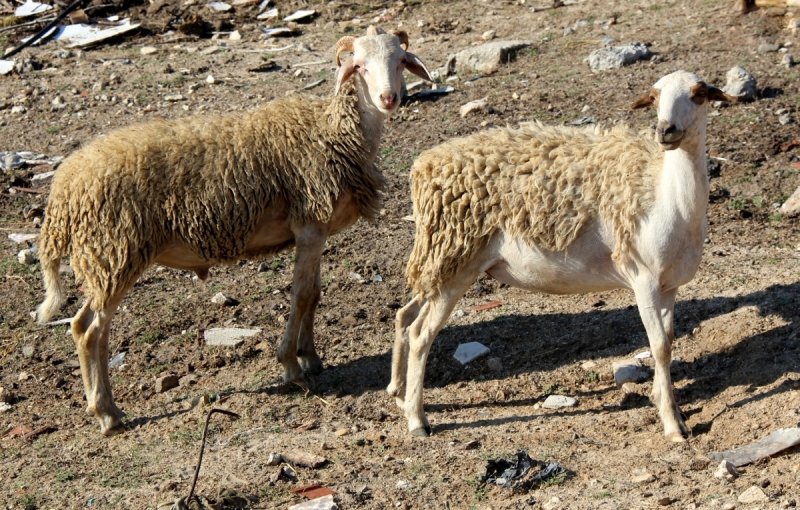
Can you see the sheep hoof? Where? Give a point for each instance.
(311, 364)
(676, 437)
(422, 431)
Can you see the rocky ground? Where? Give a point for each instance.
(736, 368)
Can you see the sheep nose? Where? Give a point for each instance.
(668, 133)
(389, 99)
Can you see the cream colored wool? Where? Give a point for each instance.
(540, 184)
(203, 182)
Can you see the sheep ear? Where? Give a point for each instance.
(345, 72)
(715, 94)
(415, 66)
(642, 102)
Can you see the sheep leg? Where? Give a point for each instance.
(310, 361)
(310, 242)
(432, 317)
(91, 331)
(655, 308)
(404, 318)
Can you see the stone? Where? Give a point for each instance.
(174, 97)
(614, 57)
(4, 407)
(740, 83)
(643, 478)
(787, 60)
(323, 503)
(221, 299)
(792, 205)
(148, 50)
(753, 495)
(665, 501)
(274, 459)
(589, 365)
(728, 506)
(785, 119)
(166, 383)
(768, 48)
(726, 471)
(300, 15)
(403, 484)
(470, 351)
(27, 257)
(486, 58)
(342, 432)
(488, 35)
(27, 351)
(228, 337)
(559, 402)
(235, 36)
(473, 106)
(263, 267)
(495, 365)
(42, 179)
(629, 371)
(219, 6)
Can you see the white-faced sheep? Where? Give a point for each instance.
(560, 210)
(196, 192)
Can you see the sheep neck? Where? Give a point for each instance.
(372, 119)
(684, 179)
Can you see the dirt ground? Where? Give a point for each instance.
(737, 368)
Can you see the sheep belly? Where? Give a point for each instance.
(585, 267)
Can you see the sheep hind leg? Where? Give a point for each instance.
(403, 320)
(91, 330)
(431, 318)
(655, 309)
(310, 242)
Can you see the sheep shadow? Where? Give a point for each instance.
(545, 342)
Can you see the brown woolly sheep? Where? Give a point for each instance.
(560, 210)
(201, 191)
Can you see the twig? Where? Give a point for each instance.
(203, 446)
(45, 30)
(307, 64)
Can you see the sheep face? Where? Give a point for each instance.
(681, 99)
(378, 62)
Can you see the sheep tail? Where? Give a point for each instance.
(54, 290)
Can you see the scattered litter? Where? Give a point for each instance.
(230, 337)
(323, 503)
(503, 472)
(558, 402)
(777, 441)
(19, 431)
(487, 306)
(6, 66)
(470, 351)
(31, 8)
(272, 13)
(219, 6)
(313, 491)
(43, 178)
(117, 360)
(377, 278)
(643, 355)
(59, 322)
(304, 459)
(583, 120)
(302, 14)
(435, 92)
(21, 238)
(36, 433)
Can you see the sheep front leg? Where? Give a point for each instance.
(310, 361)
(90, 331)
(310, 242)
(405, 317)
(655, 308)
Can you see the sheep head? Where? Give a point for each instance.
(378, 62)
(681, 99)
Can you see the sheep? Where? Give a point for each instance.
(560, 210)
(206, 190)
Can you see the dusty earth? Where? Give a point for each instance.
(737, 368)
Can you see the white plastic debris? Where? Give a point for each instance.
(27, 257)
(21, 238)
(272, 13)
(31, 8)
(468, 352)
(302, 14)
(6, 66)
(276, 32)
(435, 92)
(229, 337)
(219, 6)
(323, 503)
(643, 355)
(117, 360)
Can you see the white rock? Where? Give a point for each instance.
(787, 60)
(460, 313)
(221, 299)
(174, 97)
(229, 337)
(27, 257)
(643, 478)
(377, 278)
(4, 408)
(486, 58)
(18, 109)
(785, 119)
(589, 365)
(272, 13)
(629, 371)
(726, 471)
(468, 352)
(489, 35)
(740, 83)
(403, 484)
(792, 205)
(643, 355)
(43, 179)
(558, 402)
(210, 79)
(219, 6)
(148, 50)
(473, 106)
(323, 503)
(753, 495)
(6, 66)
(302, 14)
(235, 36)
(614, 57)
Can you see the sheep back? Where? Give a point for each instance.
(204, 182)
(540, 184)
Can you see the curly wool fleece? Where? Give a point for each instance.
(537, 183)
